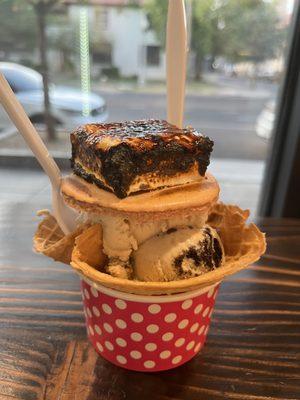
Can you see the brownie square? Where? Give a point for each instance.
(118, 156)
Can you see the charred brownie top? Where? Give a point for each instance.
(122, 151)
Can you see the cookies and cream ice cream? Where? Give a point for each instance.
(146, 183)
(122, 236)
(178, 254)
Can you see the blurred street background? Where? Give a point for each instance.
(72, 62)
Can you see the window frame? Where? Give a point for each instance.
(155, 57)
(280, 194)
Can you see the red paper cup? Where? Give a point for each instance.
(147, 333)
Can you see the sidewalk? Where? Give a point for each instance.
(212, 84)
(239, 181)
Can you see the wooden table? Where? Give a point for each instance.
(252, 351)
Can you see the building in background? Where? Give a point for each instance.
(121, 42)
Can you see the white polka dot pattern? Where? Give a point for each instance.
(201, 330)
(179, 342)
(198, 309)
(94, 292)
(88, 311)
(166, 337)
(187, 304)
(152, 328)
(107, 327)
(176, 360)
(136, 336)
(146, 336)
(183, 324)
(99, 346)
(136, 354)
(190, 345)
(96, 312)
(120, 304)
(197, 347)
(151, 347)
(97, 329)
(121, 323)
(206, 311)
(149, 364)
(194, 327)
(170, 317)
(154, 308)
(106, 308)
(121, 359)
(136, 317)
(165, 354)
(121, 342)
(109, 345)
(91, 330)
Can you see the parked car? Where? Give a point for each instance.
(67, 103)
(265, 121)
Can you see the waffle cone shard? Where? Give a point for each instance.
(230, 221)
(50, 240)
(88, 247)
(243, 244)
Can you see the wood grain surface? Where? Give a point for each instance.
(252, 351)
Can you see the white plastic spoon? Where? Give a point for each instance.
(64, 215)
(176, 44)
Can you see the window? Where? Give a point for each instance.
(153, 55)
(102, 55)
(101, 15)
(97, 73)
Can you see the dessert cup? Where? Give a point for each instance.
(147, 333)
(150, 326)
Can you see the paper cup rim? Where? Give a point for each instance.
(166, 298)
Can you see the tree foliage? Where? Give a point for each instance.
(252, 30)
(38, 10)
(236, 29)
(17, 26)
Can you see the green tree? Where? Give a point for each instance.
(251, 30)
(28, 25)
(18, 28)
(63, 38)
(204, 40)
(204, 32)
(42, 8)
(157, 15)
(236, 29)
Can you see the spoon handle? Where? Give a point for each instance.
(176, 61)
(18, 116)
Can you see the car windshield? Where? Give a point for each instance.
(22, 79)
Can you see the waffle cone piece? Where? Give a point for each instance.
(90, 238)
(50, 240)
(243, 244)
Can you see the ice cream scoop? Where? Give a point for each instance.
(129, 222)
(178, 254)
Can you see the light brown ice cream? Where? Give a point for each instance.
(178, 254)
(130, 222)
